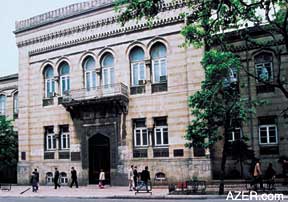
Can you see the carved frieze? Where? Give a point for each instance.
(101, 23)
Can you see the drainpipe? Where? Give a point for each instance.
(249, 99)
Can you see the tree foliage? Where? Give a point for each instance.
(216, 102)
(207, 22)
(8, 143)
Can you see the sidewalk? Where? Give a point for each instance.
(92, 191)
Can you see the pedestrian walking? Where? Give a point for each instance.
(130, 178)
(135, 177)
(270, 176)
(74, 178)
(257, 175)
(56, 178)
(37, 177)
(34, 182)
(145, 177)
(101, 179)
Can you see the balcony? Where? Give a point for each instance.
(97, 93)
(108, 97)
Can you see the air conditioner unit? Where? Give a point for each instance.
(56, 78)
(163, 79)
(141, 82)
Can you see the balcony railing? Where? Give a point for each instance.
(96, 92)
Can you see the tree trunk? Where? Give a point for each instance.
(223, 165)
(241, 168)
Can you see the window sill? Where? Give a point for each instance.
(161, 146)
(141, 147)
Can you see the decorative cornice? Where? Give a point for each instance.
(14, 87)
(91, 25)
(112, 33)
(61, 14)
(9, 77)
(241, 48)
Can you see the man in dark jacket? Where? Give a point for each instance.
(135, 177)
(56, 178)
(34, 182)
(145, 176)
(74, 178)
(37, 177)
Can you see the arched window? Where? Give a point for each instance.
(159, 63)
(49, 178)
(64, 70)
(108, 70)
(138, 73)
(264, 66)
(2, 105)
(15, 105)
(90, 73)
(63, 178)
(49, 81)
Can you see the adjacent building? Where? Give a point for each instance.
(9, 108)
(267, 127)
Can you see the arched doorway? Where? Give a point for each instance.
(99, 158)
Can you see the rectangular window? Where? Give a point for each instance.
(234, 135)
(50, 139)
(268, 130)
(264, 71)
(140, 133)
(65, 85)
(2, 105)
(15, 104)
(159, 70)
(138, 73)
(161, 131)
(64, 137)
(50, 88)
(268, 134)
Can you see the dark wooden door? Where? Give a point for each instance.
(99, 158)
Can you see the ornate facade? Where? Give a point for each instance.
(96, 95)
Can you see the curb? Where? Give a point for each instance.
(168, 197)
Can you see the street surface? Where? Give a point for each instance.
(105, 200)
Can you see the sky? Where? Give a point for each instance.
(13, 10)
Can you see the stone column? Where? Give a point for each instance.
(57, 135)
(148, 75)
(149, 124)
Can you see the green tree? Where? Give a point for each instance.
(207, 22)
(8, 143)
(217, 108)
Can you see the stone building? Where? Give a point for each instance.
(96, 95)
(266, 129)
(9, 109)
